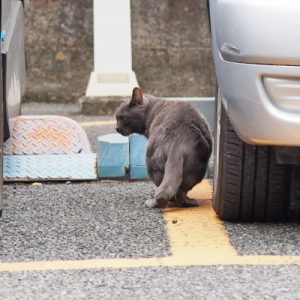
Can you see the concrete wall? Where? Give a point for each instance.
(171, 48)
(59, 42)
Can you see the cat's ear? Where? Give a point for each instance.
(137, 97)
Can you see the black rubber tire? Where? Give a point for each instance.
(249, 185)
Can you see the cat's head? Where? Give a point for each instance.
(131, 114)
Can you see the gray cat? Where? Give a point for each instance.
(179, 144)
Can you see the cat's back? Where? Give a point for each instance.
(174, 121)
(173, 114)
(177, 126)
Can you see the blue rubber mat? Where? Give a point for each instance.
(50, 167)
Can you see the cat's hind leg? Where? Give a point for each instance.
(190, 179)
(183, 200)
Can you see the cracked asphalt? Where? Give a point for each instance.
(108, 219)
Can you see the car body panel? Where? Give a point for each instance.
(255, 31)
(256, 49)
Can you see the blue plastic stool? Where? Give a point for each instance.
(113, 155)
(137, 154)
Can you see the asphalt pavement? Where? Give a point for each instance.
(107, 221)
(215, 282)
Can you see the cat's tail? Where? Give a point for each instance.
(172, 178)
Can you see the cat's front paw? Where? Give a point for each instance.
(151, 203)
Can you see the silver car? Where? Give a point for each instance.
(256, 50)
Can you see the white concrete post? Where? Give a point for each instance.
(112, 75)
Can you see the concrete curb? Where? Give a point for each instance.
(108, 105)
(99, 105)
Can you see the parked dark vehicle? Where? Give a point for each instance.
(13, 75)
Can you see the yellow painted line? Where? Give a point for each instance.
(197, 230)
(97, 123)
(197, 238)
(170, 261)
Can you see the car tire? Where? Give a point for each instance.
(249, 185)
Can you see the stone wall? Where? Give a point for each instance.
(170, 40)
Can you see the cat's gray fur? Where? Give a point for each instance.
(179, 144)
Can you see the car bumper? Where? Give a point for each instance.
(262, 102)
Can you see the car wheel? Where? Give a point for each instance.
(248, 183)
